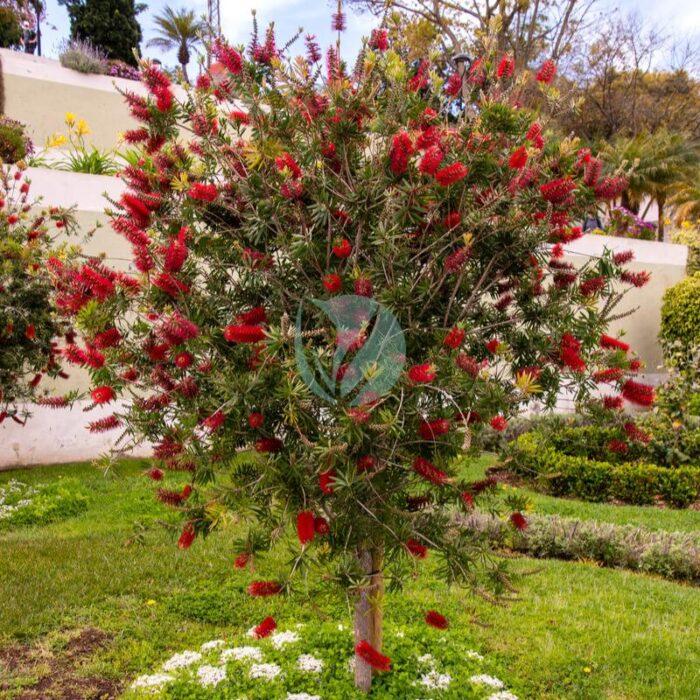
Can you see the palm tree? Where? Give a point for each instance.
(663, 163)
(179, 30)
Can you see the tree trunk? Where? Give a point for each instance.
(368, 613)
(662, 225)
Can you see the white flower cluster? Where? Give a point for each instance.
(182, 660)
(502, 695)
(281, 639)
(302, 696)
(490, 681)
(9, 501)
(241, 654)
(154, 681)
(211, 675)
(214, 644)
(436, 681)
(310, 664)
(265, 671)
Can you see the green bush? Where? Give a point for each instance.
(673, 555)
(680, 321)
(22, 504)
(83, 57)
(689, 235)
(533, 456)
(10, 29)
(14, 143)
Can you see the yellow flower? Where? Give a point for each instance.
(151, 602)
(70, 118)
(587, 669)
(82, 127)
(56, 140)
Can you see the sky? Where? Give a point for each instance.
(680, 17)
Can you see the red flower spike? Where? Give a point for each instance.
(241, 561)
(363, 287)
(416, 549)
(518, 521)
(103, 394)
(422, 374)
(187, 537)
(343, 249)
(372, 657)
(429, 430)
(467, 499)
(454, 338)
(366, 463)
(305, 527)
(333, 283)
(611, 343)
(518, 158)
(321, 526)
(256, 420)
(244, 334)
(268, 445)
(499, 423)
(203, 192)
(435, 619)
(638, 393)
(265, 628)
(450, 174)
(155, 474)
(547, 72)
(431, 160)
(505, 68)
(429, 471)
(263, 589)
(325, 479)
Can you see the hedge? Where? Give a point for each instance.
(674, 555)
(680, 320)
(533, 456)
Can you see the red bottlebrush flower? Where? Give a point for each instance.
(429, 471)
(610, 188)
(103, 394)
(399, 153)
(321, 526)
(164, 99)
(611, 343)
(453, 86)
(325, 480)
(358, 415)
(499, 423)
(592, 285)
(557, 191)
(416, 549)
(506, 66)
(313, 51)
(547, 72)
(569, 353)
(239, 117)
(454, 262)
(366, 463)
(52, 401)
(104, 424)
(213, 422)
(265, 628)
(451, 173)
(431, 160)
(176, 329)
(518, 158)
(518, 521)
(613, 403)
(363, 287)
(468, 364)
(454, 338)
(638, 393)
(292, 189)
(241, 561)
(203, 192)
(256, 420)
(172, 498)
(342, 249)
(636, 279)
(617, 446)
(493, 345)
(107, 339)
(429, 430)
(333, 283)
(422, 374)
(435, 619)
(305, 527)
(155, 474)
(636, 434)
(379, 40)
(467, 499)
(635, 365)
(183, 360)
(227, 56)
(176, 253)
(372, 657)
(263, 589)
(187, 537)
(623, 257)
(611, 374)
(286, 162)
(170, 285)
(452, 220)
(268, 445)
(592, 171)
(30, 332)
(244, 334)
(534, 135)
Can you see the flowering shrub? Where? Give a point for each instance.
(626, 224)
(328, 187)
(83, 57)
(316, 661)
(15, 145)
(22, 504)
(29, 324)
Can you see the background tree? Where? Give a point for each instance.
(663, 165)
(179, 30)
(110, 25)
(316, 199)
(10, 28)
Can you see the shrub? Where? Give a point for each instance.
(10, 28)
(533, 456)
(440, 221)
(23, 505)
(673, 555)
(82, 56)
(119, 69)
(680, 322)
(15, 145)
(689, 234)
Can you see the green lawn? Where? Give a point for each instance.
(576, 630)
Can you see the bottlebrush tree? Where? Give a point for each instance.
(274, 182)
(29, 324)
